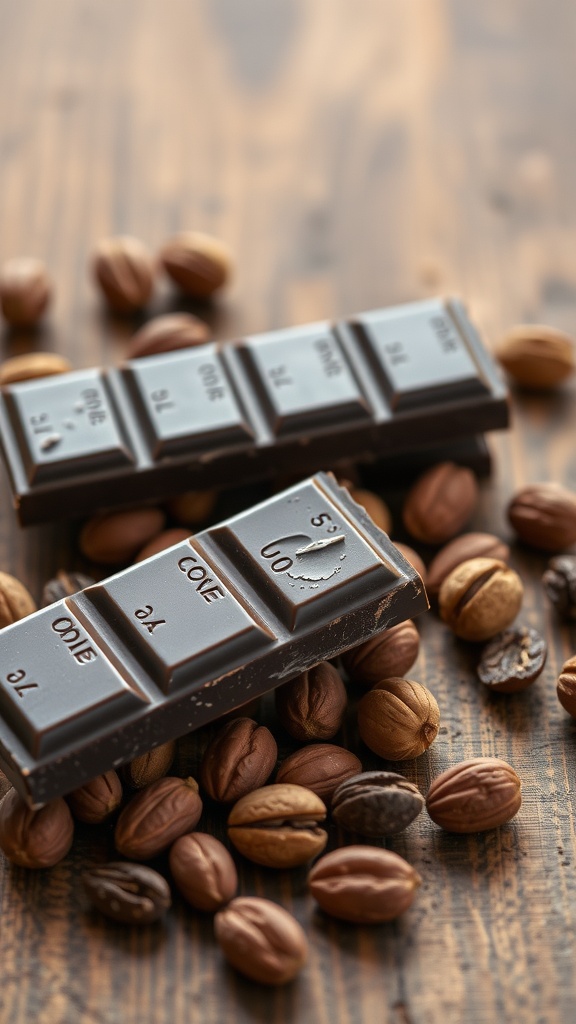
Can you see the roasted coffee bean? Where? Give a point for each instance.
(25, 291)
(475, 795)
(462, 549)
(261, 940)
(124, 270)
(312, 706)
(512, 660)
(398, 719)
(203, 870)
(363, 884)
(129, 893)
(157, 816)
(321, 767)
(559, 582)
(480, 598)
(34, 839)
(376, 803)
(149, 767)
(118, 536)
(64, 585)
(537, 356)
(386, 655)
(240, 758)
(167, 334)
(163, 540)
(544, 516)
(198, 263)
(566, 686)
(96, 800)
(440, 503)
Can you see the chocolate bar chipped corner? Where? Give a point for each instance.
(389, 383)
(193, 632)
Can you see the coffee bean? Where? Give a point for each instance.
(261, 940)
(129, 893)
(559, 582)
(376, 803)
(512, 660)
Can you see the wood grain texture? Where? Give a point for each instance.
(353, 155)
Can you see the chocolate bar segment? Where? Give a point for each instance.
(381, 384)
(195, 631)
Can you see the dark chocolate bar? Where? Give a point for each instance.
(381, 383)
(177, 640)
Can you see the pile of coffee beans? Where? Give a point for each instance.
(283, 812)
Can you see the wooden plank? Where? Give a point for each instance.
(353, 155)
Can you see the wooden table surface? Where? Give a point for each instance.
(353, 155)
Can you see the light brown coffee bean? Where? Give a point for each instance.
(149, 767)
(398, 719)
(239, 758)
(96, 800)
(480, 598)
(321, 767)
(261, 940)
(198, 263)
(157, 816)
(124, 271)
(30, 366)
(161, 542)
(544, 516)
(462, 549)
(474, 795)
(117, 536)
(167, 333)
(566, 686)
(440, 503)
(537, 356)
(15, 601)
(363, 884)
(34, 839)
(203, 871)
(375, 506)
(192, 507)
(312, 706)
(25, 291)
(278, 826)
(414, 558)
(386, 655)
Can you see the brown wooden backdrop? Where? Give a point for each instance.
(353, 154)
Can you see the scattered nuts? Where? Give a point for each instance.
(240, 758)
(34, 839)
(440, 503)
(312, 706)
(462, 549)
(544, 516)
(363, 884)
(321, 767)
(480, 598)
(261, 940)
(162, 541)
(388, 654)
(398, 719)
(117, 536)
(475, 795)
(203, 871)
(537, 356)
(149, 767)
(128, 893)
(566, 686)
(199, 264)
(167, 334)
(124, 270)
(97, 799)
(15, 601)
(277, 826)
(157, 816)
(376, 804)
(512, 660)
(25, 291)
(32, 365)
